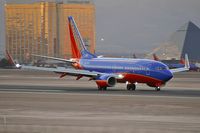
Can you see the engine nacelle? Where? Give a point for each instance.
(106, 81)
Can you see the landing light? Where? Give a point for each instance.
(17, 65)
(120, 76)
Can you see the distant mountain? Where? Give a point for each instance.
(125, 55)
(165, 51)
(184, 40)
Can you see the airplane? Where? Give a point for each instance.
(181, 63)
(12, 63)
(107, 72)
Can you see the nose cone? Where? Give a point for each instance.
(168, 76)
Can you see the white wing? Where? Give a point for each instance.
(73, 72)
(186, 68)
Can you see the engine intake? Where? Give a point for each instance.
(111, 81)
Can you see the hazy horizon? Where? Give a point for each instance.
(136, 26)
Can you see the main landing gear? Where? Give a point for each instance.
(131, 87)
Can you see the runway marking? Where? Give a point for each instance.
(148, 118)
(28, 90)
(59, 92)
(30, 77)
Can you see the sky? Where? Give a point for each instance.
(136, 26)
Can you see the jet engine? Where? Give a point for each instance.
(106, 81)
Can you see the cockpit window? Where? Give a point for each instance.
(161, 68)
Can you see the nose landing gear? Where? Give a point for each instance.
(157, 88)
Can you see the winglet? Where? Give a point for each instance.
(187, 63)
(11, 61)
(182, 69)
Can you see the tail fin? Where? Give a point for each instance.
(155, 57)
(10, 59)
(76, 36)
(74, 49)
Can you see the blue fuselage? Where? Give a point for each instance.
(142, 67)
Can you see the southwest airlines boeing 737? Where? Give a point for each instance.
(107, 72)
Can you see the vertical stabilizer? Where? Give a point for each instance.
(75, 36)
(74, 48)
(155, 57)
(10, 59)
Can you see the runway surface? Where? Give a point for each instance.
(38, 102)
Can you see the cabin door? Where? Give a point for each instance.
(148, 69)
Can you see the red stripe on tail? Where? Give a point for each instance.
(74, 49)
(10, 59)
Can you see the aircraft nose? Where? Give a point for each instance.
(168, 76)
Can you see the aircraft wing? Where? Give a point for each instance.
(71, 72)
(67, 71)
(179, 70)
(54, 58)
(186, 68)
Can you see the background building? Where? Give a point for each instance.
(41, 28)
(191, 43)
(185, 40)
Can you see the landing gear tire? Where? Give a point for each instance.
(102, 88)
(157, 88)
(131, 87)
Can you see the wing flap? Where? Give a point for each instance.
(71, 72)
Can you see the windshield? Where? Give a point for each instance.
(160, 67)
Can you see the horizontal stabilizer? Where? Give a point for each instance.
(54, 58)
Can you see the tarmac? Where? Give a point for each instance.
(41, 102)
